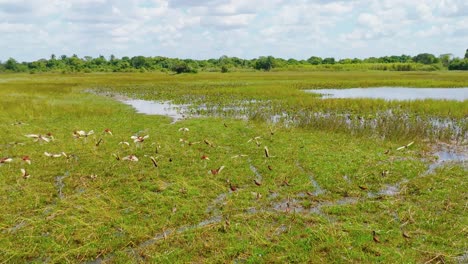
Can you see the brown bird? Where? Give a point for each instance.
(26, 159)
(154, 162)
(362, 187)
(232, 187)
(286, 182)
(405, 234)
(257, 182)
(204, 157)
(217, 171)
(269, 167)
(208, 142)
(375, 237)
(267, 153)
(107, 131)
(387, 151)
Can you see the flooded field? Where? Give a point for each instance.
(130, 168)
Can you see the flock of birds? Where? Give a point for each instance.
(138, 141)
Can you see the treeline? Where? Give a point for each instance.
(420, 62)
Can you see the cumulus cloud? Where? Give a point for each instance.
(243, 28)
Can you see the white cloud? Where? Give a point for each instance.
(243, 28)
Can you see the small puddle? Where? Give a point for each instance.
(396, 93)
(446, 154)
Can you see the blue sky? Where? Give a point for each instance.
(34, 29)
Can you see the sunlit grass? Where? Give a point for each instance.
(89, 205)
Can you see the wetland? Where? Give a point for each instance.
(236, 167)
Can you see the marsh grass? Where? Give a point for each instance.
(91, 206)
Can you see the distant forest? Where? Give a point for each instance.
(65, 64)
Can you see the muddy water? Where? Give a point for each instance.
(396, 93)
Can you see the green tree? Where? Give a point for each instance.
(328, 61)
(181, 67)
(314, 60)
(466, 54)
(445, 59)
(265, 63)
(12, 65)
(425, 58)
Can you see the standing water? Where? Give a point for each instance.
(396, 93)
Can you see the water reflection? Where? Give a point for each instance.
(396, 93)
(157, 108)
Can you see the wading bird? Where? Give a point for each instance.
(26, 159)
(208, 143)
(107, 131)
(5, 160)
(154, 161)
(217, 171)
(38, 137)
(123, 143)
(232, 187)
(130, 158)
(267, 152)
(375, 237)
(255, 139)
(55, 155)
(139, 139)
(238, 156)
(25, 174)
(406, 146)
(82, 133)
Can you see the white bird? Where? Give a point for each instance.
(5, 160)
(184, 129)
(25, 174)
(130, 158)
(256, 140)
(238, 156)
(82, 133)
(54, 155)
(139, 139)
(406, 146)
(38, 137)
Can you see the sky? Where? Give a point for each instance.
(203, 29)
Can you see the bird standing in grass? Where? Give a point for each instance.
(375, 237)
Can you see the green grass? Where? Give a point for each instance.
(113, 209)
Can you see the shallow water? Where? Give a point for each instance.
(446, 155)
(396, 93)
(173, 111)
